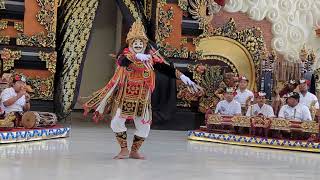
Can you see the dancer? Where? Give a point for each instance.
(128, 93)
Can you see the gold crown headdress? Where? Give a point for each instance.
(137, 31)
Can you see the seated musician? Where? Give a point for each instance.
(306, 98)
(244, 96)
(229, 80)
(228, 106)
(260, 108)
(294, 110)
(15, 98)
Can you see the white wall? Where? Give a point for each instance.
(99, 66)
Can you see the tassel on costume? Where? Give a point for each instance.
(97, 117)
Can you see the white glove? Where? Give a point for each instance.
(190, 84)
(186, 80)
(143, 57)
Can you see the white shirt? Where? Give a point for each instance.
(226, 108)
(255, 110)
(242, 97)
(15, 107)
(300, 111)
(308, 99)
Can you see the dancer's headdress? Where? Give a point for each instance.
(137, 31)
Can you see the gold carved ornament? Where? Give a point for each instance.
(4, 39)
(203, 11)
(280, 124)
(165, 29)
(8, 121)
(19, 26)
(50, 59)
(241, 121)
(199, 11)
(311, 127)
(214, 119)
(46, 17)
(3, 25)
(208, 77)
(273, 123)
(260, 121)
(39, 40)
(46, 14)
(43, 87)
(183, 4)
(164, 26)
(8, 57)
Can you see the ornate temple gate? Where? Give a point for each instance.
(196, 39)
(196, 42)
(185, 34)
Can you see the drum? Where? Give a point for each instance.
(47, 119)
(30, 120)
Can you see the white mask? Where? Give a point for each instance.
(138, 46)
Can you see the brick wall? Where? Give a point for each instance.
(243, 21)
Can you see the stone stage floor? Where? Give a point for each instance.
(88, 153)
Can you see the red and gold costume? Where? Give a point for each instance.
(129, 89)
(128, 94)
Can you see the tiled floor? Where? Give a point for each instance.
(88, 153)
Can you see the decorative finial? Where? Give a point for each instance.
(303, 53)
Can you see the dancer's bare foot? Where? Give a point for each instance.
(123, 154)
(136, 155)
